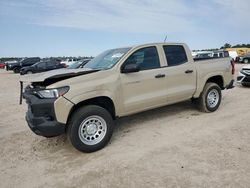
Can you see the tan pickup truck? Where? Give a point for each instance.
(85, 102)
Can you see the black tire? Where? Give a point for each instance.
(77, 120)
(202, 101)
(245, 84)
(245, 60)
(16, 70)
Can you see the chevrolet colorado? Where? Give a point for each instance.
(84, 102)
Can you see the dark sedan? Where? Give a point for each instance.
(244, 59)
(42, 67)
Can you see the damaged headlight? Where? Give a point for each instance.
(52, 93)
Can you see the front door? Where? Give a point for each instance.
(144, 89)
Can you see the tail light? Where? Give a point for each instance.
(233, 66)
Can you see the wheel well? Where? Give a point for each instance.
(104, 102)
(218, 80)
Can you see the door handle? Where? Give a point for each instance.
(160, 76)
(189, 71)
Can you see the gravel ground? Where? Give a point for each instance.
(173, 146)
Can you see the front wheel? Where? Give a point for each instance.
(245, 84)
(90, 128)
(16, 70)
(210, 98)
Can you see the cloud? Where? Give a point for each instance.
(146, 16)
(235, 12)
(133, 16)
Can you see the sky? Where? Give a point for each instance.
(87, 27)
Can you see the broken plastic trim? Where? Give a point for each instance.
(21, 93)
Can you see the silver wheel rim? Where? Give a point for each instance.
(92, 130)
(213, 98)
(245, 60)
(29, 72)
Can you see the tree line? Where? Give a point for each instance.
(3, 59)
(227, 45)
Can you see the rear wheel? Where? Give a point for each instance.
(29, 72)
(90, 128)
(246, 61)
(210, 98)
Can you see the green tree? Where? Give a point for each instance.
(227, 45)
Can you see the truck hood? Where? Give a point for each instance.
(53, 76)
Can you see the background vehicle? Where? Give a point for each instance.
(217, 54)
(120, 82)
(203, 54)
(78, 64)
(244, 76)
(233, 55)
(211, 54)
(16, 67)
(244, 59)
(42, 66)
(10, 64)
(69, 62)
(2, 65)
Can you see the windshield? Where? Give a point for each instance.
(107, 59)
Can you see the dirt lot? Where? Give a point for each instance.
(174, 146)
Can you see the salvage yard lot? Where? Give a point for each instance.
(173, 146)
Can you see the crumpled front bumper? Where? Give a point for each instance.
(41, 117)
(243, 79)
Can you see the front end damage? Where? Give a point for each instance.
(44, 115)
(40, 115)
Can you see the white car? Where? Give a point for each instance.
(233, 54)
(244, 76)
(69, 62)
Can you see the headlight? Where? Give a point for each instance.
(52, 93)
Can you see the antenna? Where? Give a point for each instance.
(165, 38)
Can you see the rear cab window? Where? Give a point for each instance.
(175, 55)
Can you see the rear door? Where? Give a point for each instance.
(41, 67)
(144, 89)
(180, 74)
(51, 65)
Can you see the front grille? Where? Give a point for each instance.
(246, 79)
(239, 78)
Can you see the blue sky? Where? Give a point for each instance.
(87, 27)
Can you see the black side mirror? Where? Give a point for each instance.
(130, 68)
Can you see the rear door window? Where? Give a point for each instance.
(41, 65)
(175, 54)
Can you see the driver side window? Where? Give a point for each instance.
(41, 65)
(146, 58)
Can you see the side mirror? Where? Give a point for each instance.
(130, 68)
